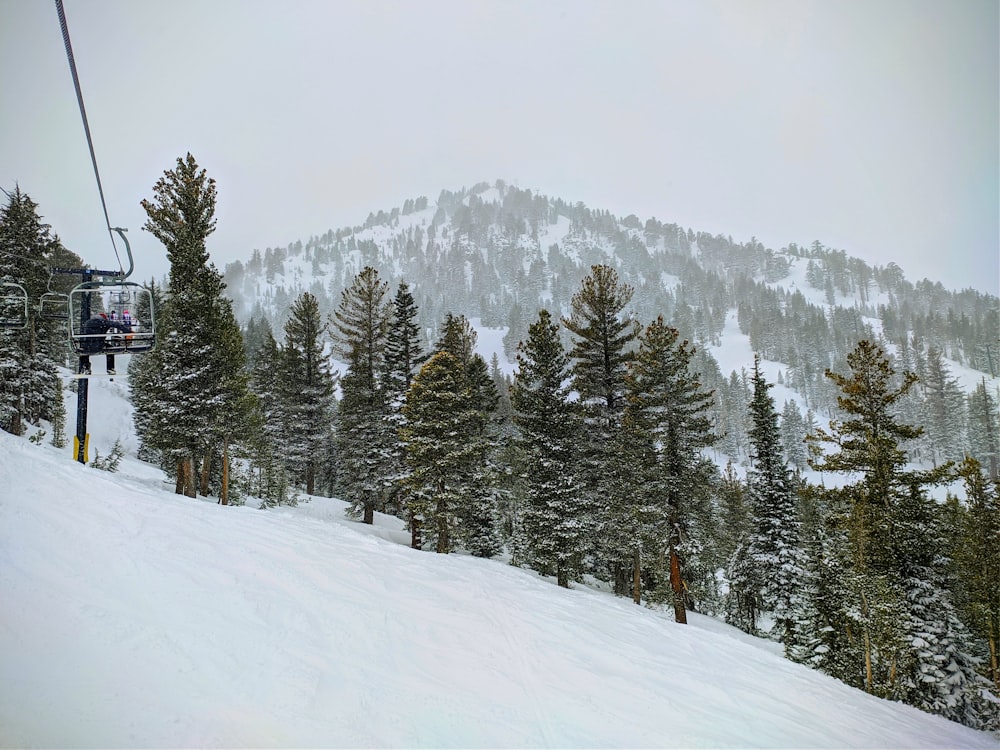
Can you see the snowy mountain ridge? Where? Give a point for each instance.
(134, 617)
(499, 253)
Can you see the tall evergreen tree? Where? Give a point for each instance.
(268, 473)
(236, 409)
(403, 356)
(984, 429)
(439, 420)
(365, 436)
(978, 558)
(734, 512)
(478, 512)
(667, 427)
(771, 574)
(944, 410)
(793, 435)
(603, 343)
(305, 391)
(937, 668)
(555, 518)
(197, 383)
(28, 381)
(877, 608)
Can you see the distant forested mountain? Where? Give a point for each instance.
(499, 254)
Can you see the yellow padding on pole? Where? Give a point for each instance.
(86, 448)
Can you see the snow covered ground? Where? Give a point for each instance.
(132, 617)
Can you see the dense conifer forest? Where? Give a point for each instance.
(856, 523)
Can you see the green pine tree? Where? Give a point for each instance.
(195, 384)
(603, 345)
(305, 390)
(554, 519)
(439, 420)
(978, 556)
(869, 444)
(28, 350)
(403, 356)
(770, 576)
(182, 216)
(667, 428)
(365, 436)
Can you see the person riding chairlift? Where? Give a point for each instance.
(94, 332)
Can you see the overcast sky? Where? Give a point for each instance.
(869, 125)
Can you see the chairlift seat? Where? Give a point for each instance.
(125, 303)
(13, 305)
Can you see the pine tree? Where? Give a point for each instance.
(978, 558)
(793, 435)
(768, 579)
(365, 436)
(667, 426)
(268, 475)
(869, 443)
(475, 489)
(944, 410)
(937, 667)
(403, 350)
(182, 216)
(984, 429)
(403, 355)
(145, 376)
(603, 339)
(478, 512)
(305, 390)
(734, 512)
(555, 519)
(458, 338)
(28, 381)
(236, 409)
(439, 420)
(602, 349)
(822, 637)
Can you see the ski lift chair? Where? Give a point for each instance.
(53, 305)
(13, 305)
(124, 302)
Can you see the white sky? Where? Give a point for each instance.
(871, 126)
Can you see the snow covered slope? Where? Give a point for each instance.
(132, 617)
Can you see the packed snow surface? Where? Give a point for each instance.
(133, 617)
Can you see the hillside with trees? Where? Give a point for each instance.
(857, 524)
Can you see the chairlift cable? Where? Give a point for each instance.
(86, 125)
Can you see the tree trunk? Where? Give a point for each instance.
(994, 665)
(637, 578)
(224, 491)
(415, 541)
(562, 574)
(310, 477)
(206, 468)
(869, 680)
(677, 584)
(191, 490)
(180, 484)
(369, 509)
(443, 543)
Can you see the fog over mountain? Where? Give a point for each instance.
(498, 254)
